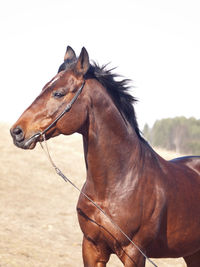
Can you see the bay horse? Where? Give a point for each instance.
(154, 201)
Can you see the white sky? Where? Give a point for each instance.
(155, 43)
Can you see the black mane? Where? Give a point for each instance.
(118, 90)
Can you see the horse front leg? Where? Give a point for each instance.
(94, 255)
(133, 259)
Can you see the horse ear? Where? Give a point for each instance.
(69, 54)
(83, 63)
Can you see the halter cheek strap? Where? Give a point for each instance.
(67, 108)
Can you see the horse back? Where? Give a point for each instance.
(192, 162)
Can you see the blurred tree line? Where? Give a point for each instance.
(178, 134)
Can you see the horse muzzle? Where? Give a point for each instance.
(20, 141)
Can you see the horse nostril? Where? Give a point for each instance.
(17, 131)
(18, 134)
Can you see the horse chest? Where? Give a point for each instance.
(97, 227)
(90, 223)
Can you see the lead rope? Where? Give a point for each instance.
(60, 173)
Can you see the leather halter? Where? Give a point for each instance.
(67, 109)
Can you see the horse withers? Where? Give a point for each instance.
(155, 202)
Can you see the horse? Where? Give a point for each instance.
(154, 201)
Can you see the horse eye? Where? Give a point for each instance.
(58, 94)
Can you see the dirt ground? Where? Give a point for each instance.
(38, 222)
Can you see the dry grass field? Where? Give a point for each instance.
(38, 223)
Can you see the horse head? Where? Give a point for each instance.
(52, 101)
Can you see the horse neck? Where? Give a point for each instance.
(111, 145)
